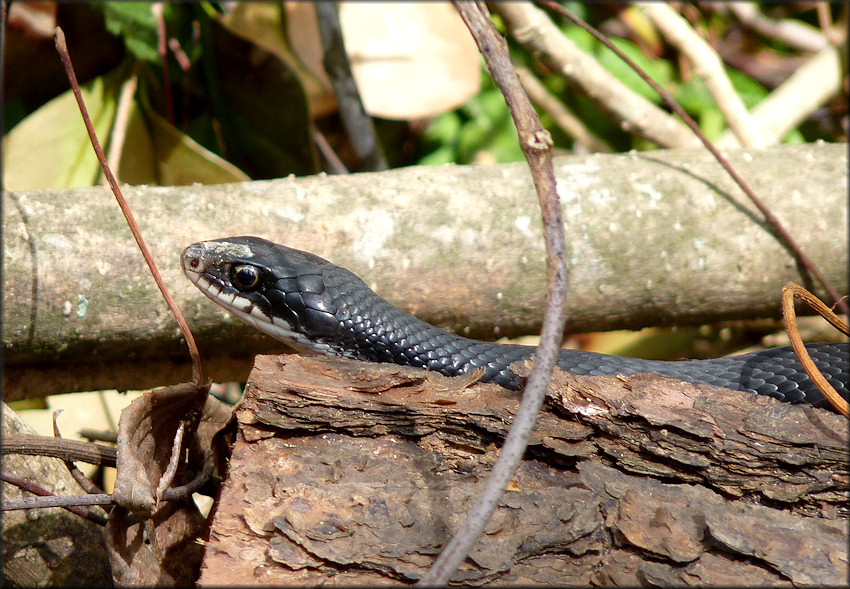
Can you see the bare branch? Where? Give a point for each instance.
(708, 66)
(536, 144)
(66, 501)
(87, 485)
(34, 445)
(532, 27)
(794, 33)
(806, 90)
(44, 498)
(197, 372)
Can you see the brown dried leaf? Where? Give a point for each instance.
(146, 431)
(410, 60)
(158, 545)
(159, 551)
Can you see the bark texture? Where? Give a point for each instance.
(352, 473)
(48, 547)
(654, 238)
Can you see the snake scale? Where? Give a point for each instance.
(317, 307)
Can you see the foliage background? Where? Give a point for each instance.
(236, 91)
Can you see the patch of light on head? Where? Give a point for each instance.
(226, 247)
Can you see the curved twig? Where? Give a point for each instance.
(536, 144)
(87, 485)
(794, 33)
(793, 291)
(34, 445)
(45, 498)
(536, 32)
(708, 66)
(538, 93)
(62, 48)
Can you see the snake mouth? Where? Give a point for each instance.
(207, 269)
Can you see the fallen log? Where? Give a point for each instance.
(356, 473)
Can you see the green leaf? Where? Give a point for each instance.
(50, 148)
(135, 23)
(156, 152)
(659, 70)
(261, 105)
(750, 91)
(693, 96)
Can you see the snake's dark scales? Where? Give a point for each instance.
(327, 309)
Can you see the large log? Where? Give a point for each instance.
(352, 473)
(655, 238)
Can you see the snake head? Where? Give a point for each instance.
(279, 290)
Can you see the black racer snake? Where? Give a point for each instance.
(317, 307)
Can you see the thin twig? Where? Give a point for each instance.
(708, 66)
(197, 374)
(336, 165)
(536, 145)
(358, 125)
(102, 436)
(33, 445)
(796, 34)
(533, 28)
(162, 50)
(87, 485)
(183, 491)
(122, 120)
(810, 86)
(45, 498)
(789, 292)
(825, 21)
(184, 64)
(778, 230)
(571, 125)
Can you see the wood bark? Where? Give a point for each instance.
(48, 547)
(655, 238)
(351, 473)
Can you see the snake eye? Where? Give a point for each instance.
(244, 277)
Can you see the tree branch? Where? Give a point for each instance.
(656, 239)
(709, 67)
(537, 33)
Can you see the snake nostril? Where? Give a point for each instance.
(193, 263)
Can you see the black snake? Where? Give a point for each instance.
(317, 307)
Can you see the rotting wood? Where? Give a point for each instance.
(356, 473)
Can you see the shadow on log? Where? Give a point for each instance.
(351, 473)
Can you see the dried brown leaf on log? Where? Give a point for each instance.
(152, 542)
(159, 551)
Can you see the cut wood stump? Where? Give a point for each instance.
(348, 473)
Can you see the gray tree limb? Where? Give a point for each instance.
(655, 238)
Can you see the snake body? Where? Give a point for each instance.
(317, 307)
